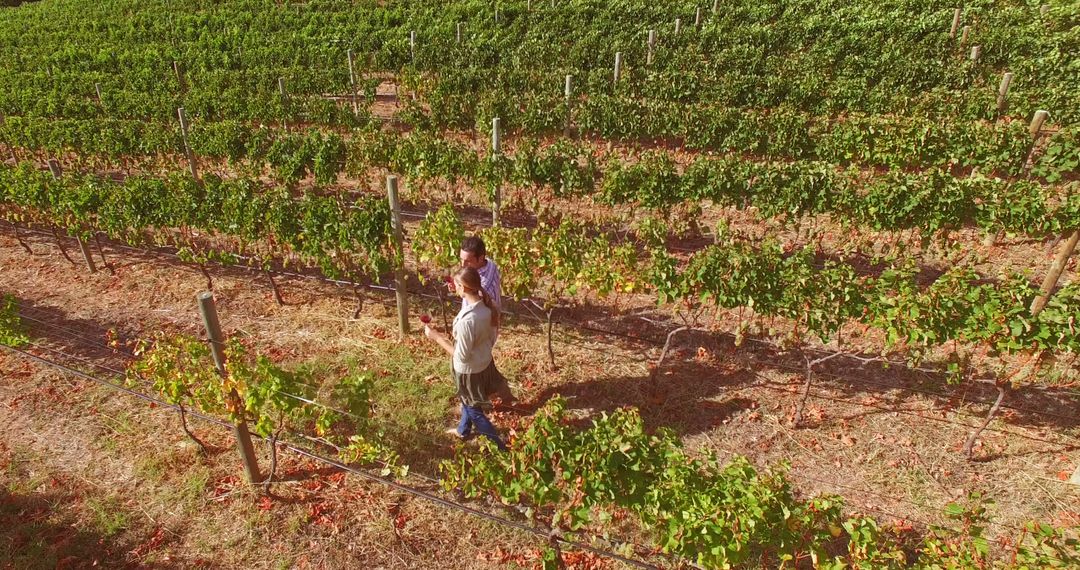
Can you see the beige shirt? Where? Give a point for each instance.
(473, 338)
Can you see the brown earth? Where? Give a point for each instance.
(886, 440)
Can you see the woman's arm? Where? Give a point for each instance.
(440, 338)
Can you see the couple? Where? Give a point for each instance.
(474, 331)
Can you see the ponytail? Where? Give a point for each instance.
(496, 318)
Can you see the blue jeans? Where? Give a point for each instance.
(474, 416)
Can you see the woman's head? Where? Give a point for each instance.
(467, 282)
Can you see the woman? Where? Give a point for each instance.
(474, 372)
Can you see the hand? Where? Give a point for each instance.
(431, 333)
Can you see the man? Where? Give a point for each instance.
(474, 256)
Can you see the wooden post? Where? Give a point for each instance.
(178, 71)
(412, 46)
(1036, 127)
(678, 25)
(1003, 91)
(618, 65)
(1056, 269)
(1037, 122)
(459, 32)
(955, 23)
(650, 44)
(569, 102)
(192, 164)
(352, 80)
(57, 172)
(976, 51)
(964, 34)
(715, 7)
(496, 150)
(97, 90)
(284, 102)
(1069, 243)
(399, 252)
(217, 350)
(697, 18)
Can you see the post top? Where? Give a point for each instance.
(205, 295)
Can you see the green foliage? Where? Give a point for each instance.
(12, 331)
(929, 201)
(181, 370)
(1043, 546)
(437, 240)
(344, 239)
(870, 547)
(270, 397)
(718, 516)
(966, 547)
(715, 515)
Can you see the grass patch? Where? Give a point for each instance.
(107, 515)
(411, 396)
(152, 468)
(115, 428)
(412, 401)
(23, 473)
(192, 488)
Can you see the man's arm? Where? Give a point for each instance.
(491, 281)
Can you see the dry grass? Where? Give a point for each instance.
(890, 451)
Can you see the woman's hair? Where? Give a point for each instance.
(470, 278)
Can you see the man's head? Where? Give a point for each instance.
(473, 252)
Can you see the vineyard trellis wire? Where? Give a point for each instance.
(90, 343)
(419, 493)
(602, 331)
(427, 495)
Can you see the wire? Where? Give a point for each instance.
(774, 363)
(146, 383)
(626, 336)
(419, 493)
(762, 385)
(434, 480)
(422, 494)
(130, 355)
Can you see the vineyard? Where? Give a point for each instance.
(786, 285)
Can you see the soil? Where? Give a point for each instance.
(887, 440)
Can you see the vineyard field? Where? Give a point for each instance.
(785, 284)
